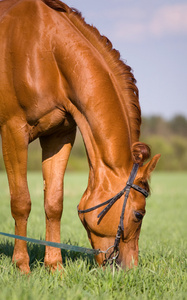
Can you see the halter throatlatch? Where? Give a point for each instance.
(110, 203)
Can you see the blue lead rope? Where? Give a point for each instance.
(55, 245)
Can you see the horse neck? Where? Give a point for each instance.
(96, 103)
(108, 152)
(104, 127)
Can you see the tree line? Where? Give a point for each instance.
(168, 137)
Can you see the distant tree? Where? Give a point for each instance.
(154, 125)
(178, 125)
(168, 137)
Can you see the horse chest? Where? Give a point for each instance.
(55, 120)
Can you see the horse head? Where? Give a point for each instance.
(117, 231)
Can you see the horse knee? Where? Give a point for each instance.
(20, 205)
(54, 206)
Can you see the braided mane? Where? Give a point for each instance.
(122, 72)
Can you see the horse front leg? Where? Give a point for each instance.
(15, 139)
(55, 153)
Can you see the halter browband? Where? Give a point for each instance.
(112, 200)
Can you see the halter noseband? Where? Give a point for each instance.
(112, 200)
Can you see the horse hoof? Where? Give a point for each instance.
(22, 265)
(24, 268)
(54, 266)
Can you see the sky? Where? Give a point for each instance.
(151, 36)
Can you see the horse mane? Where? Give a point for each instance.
(121, 71)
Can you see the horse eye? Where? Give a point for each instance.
(138, 215)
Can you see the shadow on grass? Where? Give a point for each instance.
(37, 252)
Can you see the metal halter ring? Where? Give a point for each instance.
(112, 256)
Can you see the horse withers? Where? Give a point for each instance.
(57, 73)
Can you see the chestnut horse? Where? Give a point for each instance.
(57, 73)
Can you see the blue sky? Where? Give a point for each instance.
(151, 36)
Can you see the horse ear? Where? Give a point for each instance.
(149, 167)
(140, 152)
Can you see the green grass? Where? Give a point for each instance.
(161, 273)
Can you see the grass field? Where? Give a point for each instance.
(162, 270)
